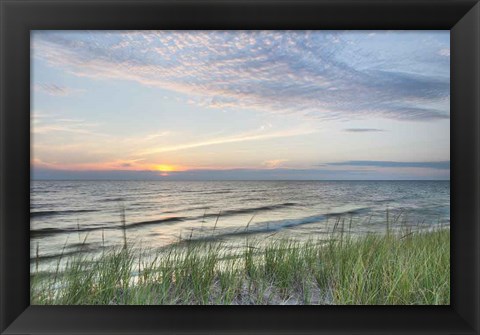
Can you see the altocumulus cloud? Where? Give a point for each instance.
(55, 90)
(321, 75)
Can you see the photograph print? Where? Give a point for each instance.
(240, 167)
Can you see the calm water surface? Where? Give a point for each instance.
(64, 214)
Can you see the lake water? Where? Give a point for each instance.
(65, 214)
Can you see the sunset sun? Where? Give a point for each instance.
(167, 168)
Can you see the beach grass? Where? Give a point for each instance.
(393, 268)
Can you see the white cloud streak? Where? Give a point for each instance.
(224, 140)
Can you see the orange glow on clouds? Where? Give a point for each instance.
(130, 165)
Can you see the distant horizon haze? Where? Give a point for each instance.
(242, 174)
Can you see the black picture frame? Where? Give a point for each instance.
(18, 17)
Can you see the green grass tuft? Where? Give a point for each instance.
(394, 268)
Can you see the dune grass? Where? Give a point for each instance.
(392, 268)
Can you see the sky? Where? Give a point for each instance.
(240, 105)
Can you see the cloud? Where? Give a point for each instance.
(56, 90)
(100, 165)
(274, 163)
(77, 129)
(362, 130)
(320, 75)
(251, 136)
(45, 125)
(444, 52)
(440, 165)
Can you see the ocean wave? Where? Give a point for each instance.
(152, 222)
(276, 225)
(218, 192)
(254, 199)
(187, 209)
(279, 224)
(65, 212)
(112, 199)
(262, 227)
(249, 210)
(361, 210)
(54, 231)
(383, 201)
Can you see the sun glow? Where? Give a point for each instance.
(167, 168)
